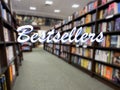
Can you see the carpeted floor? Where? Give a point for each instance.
(43, 71)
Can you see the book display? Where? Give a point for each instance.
(10, 51)
(100, 60)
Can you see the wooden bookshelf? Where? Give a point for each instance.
(10, 51)
(65, 50)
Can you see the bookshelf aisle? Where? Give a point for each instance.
(100, 60)
(10, 50)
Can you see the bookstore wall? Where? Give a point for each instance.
(10, 49)
(99, 60)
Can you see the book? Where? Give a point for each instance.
(9, 53)
(116, 58)
(105, 13)
(116, 76)
(3, 85)
(110, 26)
(101, 14)
(88, 18)
(114, 40)
(95, 4)
(6, 34)
(104, 27)
(117, 24)
(93, 17)
(108, 73)
(112, 9)
(104, 2)
(107, 41)
(99, 54)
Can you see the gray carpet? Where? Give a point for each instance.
(43, 71)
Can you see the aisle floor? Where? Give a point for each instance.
(41, 70)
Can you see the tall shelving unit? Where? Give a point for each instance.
(89, 59)
(10, 52)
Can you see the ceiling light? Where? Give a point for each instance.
(32, 8)
(56, 11)
(48, 2)
(75, 6)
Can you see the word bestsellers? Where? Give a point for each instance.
(76, 35)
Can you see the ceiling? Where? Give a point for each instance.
(22, 7)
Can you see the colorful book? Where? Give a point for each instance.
(112, 9)
(114, 41)
(107, 41)
(104, 2)
(88, 18)
(110, 26)
(116, 58)
(109, 71)
(116, 76)
(117, 24)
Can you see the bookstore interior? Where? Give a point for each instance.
(83, 33)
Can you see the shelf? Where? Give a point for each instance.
(107, 64)
(66, 30)
(92, 11)
(90, 59)
(82, 68)
(110, 81)
(108, 48)
(10, 43)
(65, 52)
(87, 24)
(112, 33)
(108, 18)
(57, 49)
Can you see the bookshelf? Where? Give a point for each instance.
(10, 49)
(99, 60)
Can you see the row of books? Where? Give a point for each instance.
(9, 53)
(94, 4)
(112, 9)
(111, 41)
(110, 26)
(58, 25)
(65, 55)
(82, 52)
(50, 45)
(85, 20)
(66, 27)
(82, 62)
(7, 32)
(89, 7)
(65, 48)
(56, 46)
(67, 20)
(109, 73)
(57, 52)
(12, 72)
(111, 57)
(3, 85)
